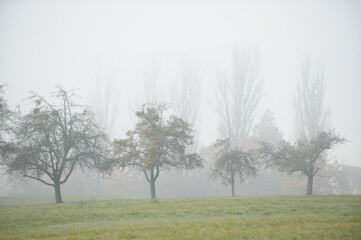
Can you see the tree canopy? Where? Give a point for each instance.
(157, 143)
(232, 162)
(305, 155)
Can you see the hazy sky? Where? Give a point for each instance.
(76, 43)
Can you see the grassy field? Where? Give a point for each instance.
(296, 217)
(44, 199)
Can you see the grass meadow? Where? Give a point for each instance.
(105, 217)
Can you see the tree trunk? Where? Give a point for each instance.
(58, 198)
(232, 185)
(152, 188)
(309, 185)
(153, 177)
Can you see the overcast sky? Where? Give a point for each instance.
(76, 43)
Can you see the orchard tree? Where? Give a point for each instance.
(232, 162)
(157, 143)
(305, 155)
(54, 139)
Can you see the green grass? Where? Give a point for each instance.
(44, 199)
(315, 217)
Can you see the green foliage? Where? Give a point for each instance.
(303, 155)
(157, 143)
(315, 217)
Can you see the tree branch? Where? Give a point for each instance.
(49, 184)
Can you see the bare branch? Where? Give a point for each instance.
(238, 96)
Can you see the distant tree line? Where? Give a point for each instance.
(59, 135)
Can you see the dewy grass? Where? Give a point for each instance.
(44, 199)
(296, 217)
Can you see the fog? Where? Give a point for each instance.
(120, 54)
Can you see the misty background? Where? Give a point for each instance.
(120, 54)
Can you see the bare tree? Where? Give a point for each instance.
(186, 95)
(151, 79)
(105, 101)
(237, 97)
(56, 138)
(146, 93)
(311, 117)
